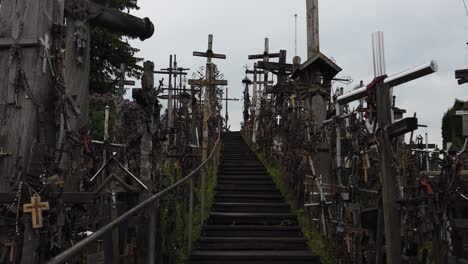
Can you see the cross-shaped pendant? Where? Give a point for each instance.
(35, 208)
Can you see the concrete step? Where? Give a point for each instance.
(254, 257)
(220, 218)
(252, 207)
(252, 243)
(251, 231)
(238, 198)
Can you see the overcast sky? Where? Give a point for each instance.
(416, 32)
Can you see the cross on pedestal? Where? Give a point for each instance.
(226, 116)
(35, 208)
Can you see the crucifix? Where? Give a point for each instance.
(35, 208)
(210, 83)
(226, 116)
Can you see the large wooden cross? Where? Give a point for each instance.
(35, 208)
(210, 84)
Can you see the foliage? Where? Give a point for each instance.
(109, 50)
(315, 241)
(452, 130)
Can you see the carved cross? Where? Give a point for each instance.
(35, 208)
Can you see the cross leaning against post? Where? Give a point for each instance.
(210, 84)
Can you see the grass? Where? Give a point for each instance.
(313, 236)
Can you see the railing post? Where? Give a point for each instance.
(152, 234)
(202, 206)
(190, 225)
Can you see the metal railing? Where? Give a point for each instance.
(81, 245)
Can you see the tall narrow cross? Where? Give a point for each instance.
(348, 240)
(265, 57)
(226, 116)
(121, 83)
(35, 208)
(210, 84)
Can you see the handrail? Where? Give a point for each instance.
(78, 247)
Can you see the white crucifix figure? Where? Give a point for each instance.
(278, 119)
(45, 43)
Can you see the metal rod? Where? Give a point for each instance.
(202, 203)
(190, 224)
(78, 247)
(395, 80)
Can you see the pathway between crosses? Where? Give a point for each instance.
(250, 221)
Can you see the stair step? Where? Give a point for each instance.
(220, 218)
(252, 207)
(254, 257)
(237, 198)
(247, 191)
(252, 243)
(242, 182)
(251, 231)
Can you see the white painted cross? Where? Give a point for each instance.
(278, 119)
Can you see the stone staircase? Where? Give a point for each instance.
(250, 221)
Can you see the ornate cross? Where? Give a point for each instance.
(35, 208)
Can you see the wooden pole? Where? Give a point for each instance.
(313, 41)
(389, 181)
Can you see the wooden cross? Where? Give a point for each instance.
(12, 246)
(10, 43)
(348, 239)
(227, 99)
(35, 208)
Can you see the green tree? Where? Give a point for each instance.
(452, 130)
(109, 50)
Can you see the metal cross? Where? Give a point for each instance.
(35, 208)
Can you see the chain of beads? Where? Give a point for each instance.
(18, 202)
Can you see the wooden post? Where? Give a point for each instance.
(389, 181)
(313, 37)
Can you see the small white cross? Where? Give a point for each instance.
(278, 119)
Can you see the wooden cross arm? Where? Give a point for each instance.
(273, 66)
(204, 82)
(27, 42)
(209, 54)
(112, 19)
(403, 126)
(462, 76)
(264, 55)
